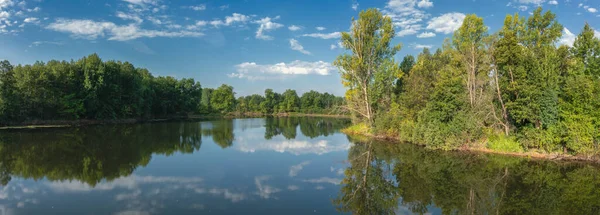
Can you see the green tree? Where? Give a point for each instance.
(223, 99)
(370, 65)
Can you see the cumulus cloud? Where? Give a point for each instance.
(338, 45)
(253, 71)
(324, 180)
(295, 45)
(567, 38)
(294, 27)
(320, 28)
(131, 17)
(264, 190)
(142, 2)
(446, 23)
(31, 20)
(200, 7)
(426, 35)
(425, 4)
(88, 29)
(420, 46)
(536, 2)
(553, 2)
(229, 20)
(333, 35)
(265, 24)
(6, 4)
(407, 15)
(295, 169)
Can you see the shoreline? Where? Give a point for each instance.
(531, 154)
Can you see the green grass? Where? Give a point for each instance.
(358, 129)
(503, 143)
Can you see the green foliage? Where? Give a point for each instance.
(91, 89)
(516, 81)
(223, 99)
(370, 69)
(503, 143)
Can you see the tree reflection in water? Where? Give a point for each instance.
(388, 178)
(96, 153)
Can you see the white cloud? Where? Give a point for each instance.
(567, 38)
(89, 29)
(320, 28)
(592, 10)
(553, 2)
(426, 35)
(200, 7)
(324, 180)
(295, 45)
(523, 8)
(263, 190)
(293, 187)
(409, 30)
(223, 7)
(142, 2)
(446, 23)
(233, 19)
(131, 17)
(294, 28)
(536, 2)
(407, 15)
(6, 4)
(295, 169)
(425, 4)
(420, 46)
(355, 6)
(35, 9)
(129, 182)
(253, 71)
(336, 46)
(38, 43)
(266, 25)
(332, 35)
(31, 20)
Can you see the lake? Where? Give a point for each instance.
(289, 165)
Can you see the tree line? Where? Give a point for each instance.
(90, 88)
(512, 90)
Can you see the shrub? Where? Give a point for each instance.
(503, 143)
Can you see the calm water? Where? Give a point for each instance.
(271, 166)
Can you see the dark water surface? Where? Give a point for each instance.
(271, 166)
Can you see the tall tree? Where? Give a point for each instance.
(371, 55)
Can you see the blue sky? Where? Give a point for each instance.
(249, 44)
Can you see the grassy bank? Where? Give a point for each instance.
(494, 145)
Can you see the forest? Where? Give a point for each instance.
(514, 90)
(91, 88)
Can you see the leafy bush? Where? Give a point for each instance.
(503, 143)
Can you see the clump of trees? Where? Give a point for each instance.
(90, 88)
(515, 87)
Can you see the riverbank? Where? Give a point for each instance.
(364, 131)
(39, 124)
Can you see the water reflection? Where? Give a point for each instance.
(402, 179)
(96, 153)
(272, 166)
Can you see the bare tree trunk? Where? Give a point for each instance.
(367, 105)
(504, 112)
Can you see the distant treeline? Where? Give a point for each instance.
(90, 88)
